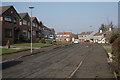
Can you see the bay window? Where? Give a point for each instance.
(8, 18)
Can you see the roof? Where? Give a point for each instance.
(67, 33)
(60, 33)
(33, 18)
(86, 33)
(64, 33)
(4, 8)
(98, 34)
(22, 15)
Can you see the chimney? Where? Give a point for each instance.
(100, 31)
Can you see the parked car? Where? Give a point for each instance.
(76, 42)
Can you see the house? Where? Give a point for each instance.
(16, 27)
(64, 36)
(99, 37)
(35, 28)
(52, 34)
(10, 24)
(46, 32)
(103, 37)
(25, 26)
(86, 36)
(40, 28)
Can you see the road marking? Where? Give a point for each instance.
(75, 69)
(70, 76)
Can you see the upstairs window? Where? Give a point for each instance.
(24, 22)
(28, 23)
(33, 24)
(36, 25)
(15, 20)
(39, 28)
(8, 18)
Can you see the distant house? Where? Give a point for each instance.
(25, 23)
(10, 24)
(64, 36)
(103, 37)
(86, 36)
(46, 32)
(99, 37)
(52, 34)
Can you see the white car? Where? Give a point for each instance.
(76, 42)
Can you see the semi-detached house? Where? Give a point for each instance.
(36, 28)
(25, 24)
(10, 24)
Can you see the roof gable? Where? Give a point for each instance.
(5, 8)
(22, 15)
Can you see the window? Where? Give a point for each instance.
(39, 27)
(33, 24)
(24, 22)
(15, 20)
(34, 32)
(28, 23)
(8, 18)
(36, 25)
(8, 33)
(25, 32)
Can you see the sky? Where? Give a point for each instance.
(71, 16)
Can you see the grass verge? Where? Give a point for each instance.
(34, 45)
(6, 50)
(107, 47)
(105, 44)
(60, 42)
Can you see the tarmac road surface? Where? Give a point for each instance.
(83, 60)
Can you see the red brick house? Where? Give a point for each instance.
(25, 25)
(10, 24)
(64, 36)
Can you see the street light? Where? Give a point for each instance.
(31, 27)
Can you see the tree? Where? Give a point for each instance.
(116, 57)
(103, 28)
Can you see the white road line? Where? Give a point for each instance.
(70, 76)
(75, 69)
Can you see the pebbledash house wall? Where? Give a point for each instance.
(10, 25)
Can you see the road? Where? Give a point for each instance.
(83, 60)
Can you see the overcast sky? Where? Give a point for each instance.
(71, 16)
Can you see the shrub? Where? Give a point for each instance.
(116, 53)
(50, 42)
(37, 40)
(42, 41)
(113, 37)
(22, 38)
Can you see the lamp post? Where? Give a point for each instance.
(31, 26)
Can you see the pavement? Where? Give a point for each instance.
(83, 60)
(17, 55)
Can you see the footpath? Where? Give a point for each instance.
(17, 55)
